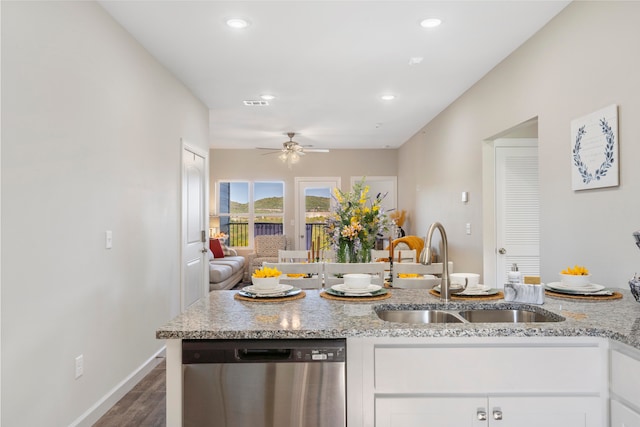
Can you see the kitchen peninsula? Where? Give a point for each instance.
(572, 371)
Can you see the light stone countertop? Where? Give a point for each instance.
(220, 316)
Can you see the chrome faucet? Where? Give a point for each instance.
(425, 258)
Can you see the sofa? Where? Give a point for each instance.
(226, 268)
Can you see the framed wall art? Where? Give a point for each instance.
(594, 150)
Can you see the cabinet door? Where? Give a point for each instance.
(621, 416)
(430, 411)
(545, 411)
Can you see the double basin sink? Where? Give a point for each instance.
(464, 315)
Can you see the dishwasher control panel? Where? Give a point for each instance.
(263, 351)
(318, 355)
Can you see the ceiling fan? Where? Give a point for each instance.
(291, 150)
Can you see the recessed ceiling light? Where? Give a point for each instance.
(267, 97)
(388, 97)
(430, 22)
(237, 23)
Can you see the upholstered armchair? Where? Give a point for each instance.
(266, 250)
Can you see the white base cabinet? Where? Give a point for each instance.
(498, 382)
(625, 386)
(623, 416)
(493, 411)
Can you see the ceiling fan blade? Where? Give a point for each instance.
(316, 150)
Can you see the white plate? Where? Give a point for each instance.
(278, 289)
(451, 288)
(476, 290)
(342, 288)
(591, 287)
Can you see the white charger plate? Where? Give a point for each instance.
(475, 291)
(277, 290)
(591, 287)
(370, 288)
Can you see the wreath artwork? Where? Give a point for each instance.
(595, 143)
(608, 154)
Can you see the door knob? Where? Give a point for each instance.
(502, 251)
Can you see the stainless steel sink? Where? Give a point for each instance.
(419, 316)
(480, 315)
(506, 316)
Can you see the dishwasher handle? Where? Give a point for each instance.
(263, 354)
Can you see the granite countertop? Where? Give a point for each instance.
(220, 316)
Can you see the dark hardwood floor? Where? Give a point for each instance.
(143, 406)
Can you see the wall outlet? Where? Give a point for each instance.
(79, 366)
(468, 228)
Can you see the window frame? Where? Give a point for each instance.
(251, 214)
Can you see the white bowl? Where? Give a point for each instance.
(265, 282)
(356, 280)
(575, 280)
(465, 279)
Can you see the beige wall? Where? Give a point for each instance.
(254, 165)
(91, 128)
(583, 60)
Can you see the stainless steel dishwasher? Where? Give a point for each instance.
(264, 383)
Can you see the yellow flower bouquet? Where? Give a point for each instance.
(266, 278)
(266, 272)
(355, 222)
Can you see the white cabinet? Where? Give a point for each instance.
(622, 416)
(625, 387)
(499, 382)
(493, 411)
(396, 411)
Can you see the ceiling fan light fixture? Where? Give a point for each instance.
(388, 97)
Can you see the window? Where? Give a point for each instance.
(249, 209)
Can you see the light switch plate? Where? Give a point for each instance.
(108, 239)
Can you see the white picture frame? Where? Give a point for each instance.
(594, 150)
(381, 184)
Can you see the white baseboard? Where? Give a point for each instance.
(98, 409)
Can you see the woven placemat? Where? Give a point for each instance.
(615, 295)
(282, 299)
(455, 297)
(325, 295)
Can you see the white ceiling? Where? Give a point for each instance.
(327, 62)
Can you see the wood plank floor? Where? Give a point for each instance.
(143, 406)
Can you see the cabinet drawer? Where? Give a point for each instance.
(482, 369)
(625, 377)
(621, 416)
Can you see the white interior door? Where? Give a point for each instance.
(517, 207)
(310, 204)
(194, 238)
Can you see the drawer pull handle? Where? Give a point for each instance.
(497, 414)
(482, 414)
